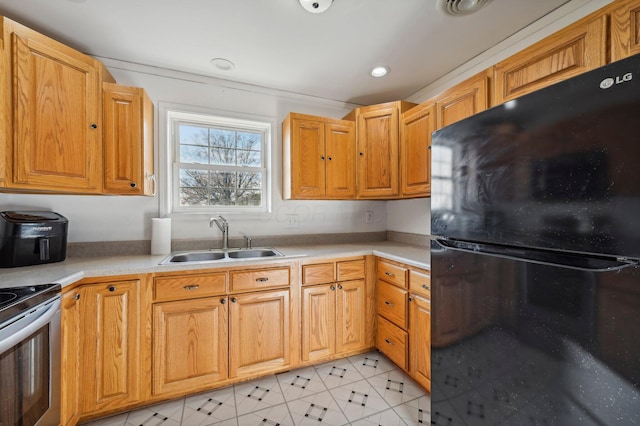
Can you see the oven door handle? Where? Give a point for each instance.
(25, 327)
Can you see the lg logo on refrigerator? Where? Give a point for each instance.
(608, 82)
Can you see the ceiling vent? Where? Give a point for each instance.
(460, 7)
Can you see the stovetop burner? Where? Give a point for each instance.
(16, 300)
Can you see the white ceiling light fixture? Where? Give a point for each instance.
(380, 71)
(460, 7)
(223, 64)
(316, 6)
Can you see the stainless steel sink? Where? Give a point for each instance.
(218, 255)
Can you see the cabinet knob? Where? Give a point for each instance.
(322, 157)
(234, 300)
(223, 301)
(333, 287)
(77, 296)
(112, 288)
(362, 154)
(339, 286)
(329, 158)
(94, 126)
(133, 184)
(426, 287)
(410, 299)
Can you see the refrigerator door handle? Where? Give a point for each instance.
(582, 262)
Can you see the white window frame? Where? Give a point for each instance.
(170, 116)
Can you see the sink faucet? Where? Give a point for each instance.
(224, 227)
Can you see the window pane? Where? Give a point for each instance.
(249, 198)
(193, 135)
(222, 138)
(247, 180)
(224, 180)
(248, 140)
(194, 178)
(194, 154)
(249, 158)
(223, 197)
(223, 156)
(194, 196)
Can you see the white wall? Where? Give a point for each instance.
(116, 218)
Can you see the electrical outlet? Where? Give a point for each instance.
(368, 217)
(292, 221)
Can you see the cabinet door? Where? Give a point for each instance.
(111, 364)
(307, 159)
(420, 340)
(340, 147)
(56, 129)
(128, 140)
(190, 347)
(318, 322)
(463, 100)
(415, 131)
(70, 359)
(574, 50)
(625, 29)
(259, 332)
(350, 316)
(378, 140)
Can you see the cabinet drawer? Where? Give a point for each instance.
(189, 286)
(319, 273)
(391, 273)
(260, 278)
(392, 303)
(392, 341)
(420, 283)
(351, 270)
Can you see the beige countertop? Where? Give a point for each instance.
(74, 269)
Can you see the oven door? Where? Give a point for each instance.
(30, 367)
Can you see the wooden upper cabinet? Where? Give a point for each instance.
(128, 141)
(625, 29)
(463, 100)
(56, 114)
(318, 158)
(416, 127)
(378, 137)
(574, 50)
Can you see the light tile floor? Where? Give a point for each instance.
(361, 390)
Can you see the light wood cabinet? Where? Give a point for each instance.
(111, 364)
(463, 100)
(574, 50)
(128, 141)
(420, 340)
(259, 332)
(190, 344)
(70, 361)
(318, 158)
(51, 114)
(378, 141)
(625, 29)
(416, 127)
(334, 314)
(404, 318)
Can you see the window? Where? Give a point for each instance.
(219, 163)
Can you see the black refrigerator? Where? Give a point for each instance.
(535, 215)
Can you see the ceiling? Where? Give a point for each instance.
(277, 44)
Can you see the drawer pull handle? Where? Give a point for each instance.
(333, 287)
(389, 342)
(389, 274)
(426, 287)
(262, 280)
(191, 287)
(386, 302)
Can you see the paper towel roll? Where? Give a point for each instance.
(161, 235)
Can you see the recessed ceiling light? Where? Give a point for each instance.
(460, 7)
(223, 64)
(380, 71)
(316, 6)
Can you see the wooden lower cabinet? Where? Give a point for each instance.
(190, 344)
(259, 332)
(110, 341)
(70, 362)
(420, 340)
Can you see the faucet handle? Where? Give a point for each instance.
(248, 239)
